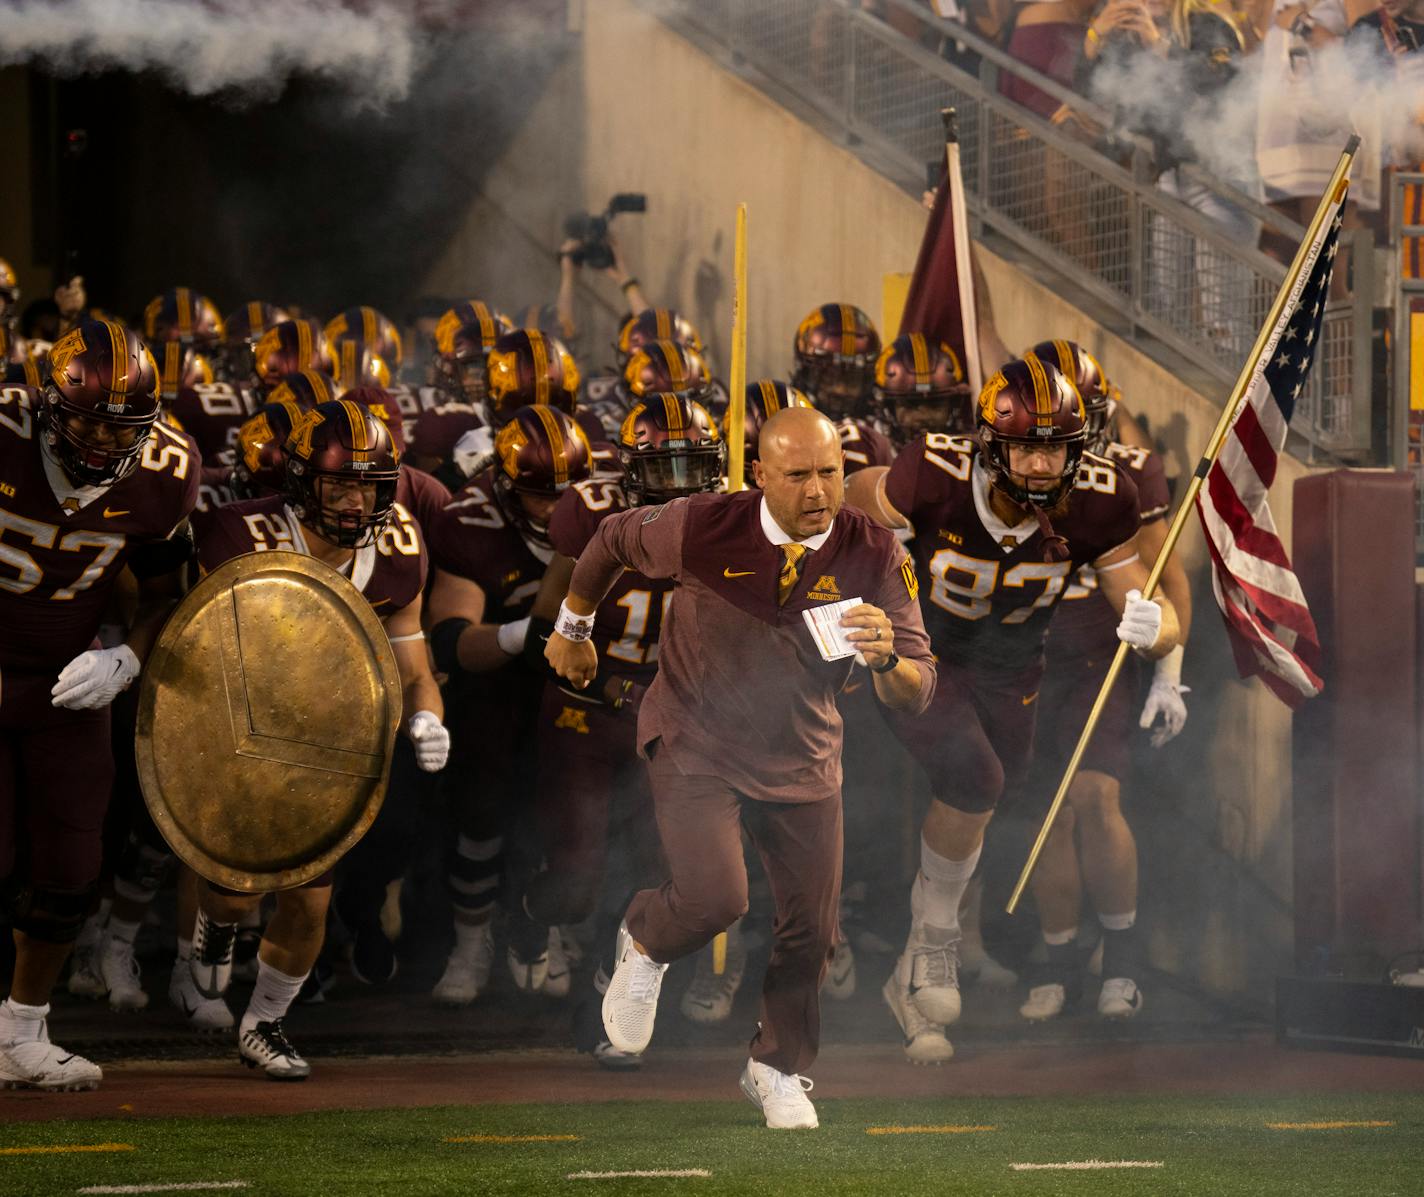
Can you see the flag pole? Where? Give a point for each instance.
(1266, 340)
(963, 265)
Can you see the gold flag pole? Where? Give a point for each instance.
(736, 432)
(1266, 339)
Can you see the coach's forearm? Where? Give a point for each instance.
(905, 687)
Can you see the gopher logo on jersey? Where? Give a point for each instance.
(574, 719)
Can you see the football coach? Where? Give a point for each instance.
(740, 727)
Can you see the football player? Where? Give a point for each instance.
(1091, 845)
(999, 524)
(368, 327)
(492, 546)
(919, 387)
(668, 446)
(9, 297)
(242, 329)
(464, 337)
(342, 469)
(93, 486)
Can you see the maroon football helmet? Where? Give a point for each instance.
(370, 328)
(342, 470)
(100, 402)
(665, 367)
(9, 293)
(654, 324)
(242, 329)
(358, 364)
(1031, 404)
(539, 454)
(306, 388)
(261, 465)
(180, 367)
(920, 387)
(464, 337)
(669, 446)
(1093, 385)
(381, 404)
(835, 349)
(764, 398)
(525, 368)
(184, 315)
(288, 347)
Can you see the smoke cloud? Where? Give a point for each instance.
(245, 49)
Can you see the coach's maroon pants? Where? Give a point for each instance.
(700, 819)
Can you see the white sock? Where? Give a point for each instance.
(1057, 939)
(934, 898)
(20, 1023)
(272, 996)
(185, 949)
(468, 937)
(119, 929)
(1116, 922)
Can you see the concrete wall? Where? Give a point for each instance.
(642, 109)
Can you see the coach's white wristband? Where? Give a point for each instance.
(571, 626)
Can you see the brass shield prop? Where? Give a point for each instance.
(267, 716)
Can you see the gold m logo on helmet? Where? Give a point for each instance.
(64, 351)
(299, 440)
(255, 433)
(988, 396)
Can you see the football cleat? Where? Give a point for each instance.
(558, 973)
(267, 1047)
(121, 974)
(630, 1007)
(840, 977)
(708, 999)
(1044, 1002)
(40, 1064)
(85, 980)
(211, 961)
(1120, 999)
(204, 1014)
(925, 1042)
(934, 981)
(528, 953)
(466, 973)
(781, 1098)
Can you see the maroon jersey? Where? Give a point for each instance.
(473, 540)
(628, 622)
(424, 496)
(390, 572)
(212, 412)
(988, 591)
(415, 401)
(216, 487)
(438, 429)
(864, 445)
(63, 547)
(1085, 620)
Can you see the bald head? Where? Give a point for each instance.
(800, 470)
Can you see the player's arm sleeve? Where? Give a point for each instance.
(899, 598)
(646, 540)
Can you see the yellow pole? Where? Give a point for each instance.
(737, 383)
(1266, 339)
(963, 263)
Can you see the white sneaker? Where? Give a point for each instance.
(631, 1004)
(267, 1047)
(781, 1099)
(558, 975)
(211, 962)
(40, 1064)
(709, 998)
(934, 981)
(85, 980)
(203, 1013)
(925, 1042)
(121, 974)
(466, 973)
(840, 977)
(1120, 998)
(529, 975)
(1044, 1002)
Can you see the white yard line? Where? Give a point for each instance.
(673, 1172)
(183, 1187)
(1086, 1165)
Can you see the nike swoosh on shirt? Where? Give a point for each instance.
(110, 513)
(743, 573)
(1029, 699)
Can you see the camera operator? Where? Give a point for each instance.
(571, 263)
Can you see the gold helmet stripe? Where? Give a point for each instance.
(677, 427)
(255, 323)
(770, 400)
(847, 330)
(185, 312)
(540, 350)
(1067, 362)
(664, 324)
(118, 346)
(1042, 401)
(556, 443)
(172, 362)
(920, 352)
(304, 342)
(676, 374)
(368, 325)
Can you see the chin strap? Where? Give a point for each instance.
(1055, 547)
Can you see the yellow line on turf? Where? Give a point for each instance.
(927, 1130)
(1325, 1125)
(512, 1139)
(66, 1149)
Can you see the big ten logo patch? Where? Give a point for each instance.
(825, 590)
(574, 719)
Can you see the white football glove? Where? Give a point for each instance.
(511, 636)
(1141, 621)
(1164, 699)
(94, 679)
(431, 740)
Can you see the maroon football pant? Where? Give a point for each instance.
(1070, 687)
(56, 772)
(590, 779)
(701, 819)
(976, 736)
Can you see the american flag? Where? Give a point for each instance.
(1272, 634)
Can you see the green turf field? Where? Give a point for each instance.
(1203, 1147)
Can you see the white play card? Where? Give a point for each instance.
(826, 630)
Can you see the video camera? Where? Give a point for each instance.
(594, 250)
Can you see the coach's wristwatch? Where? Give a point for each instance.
(890, 662)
